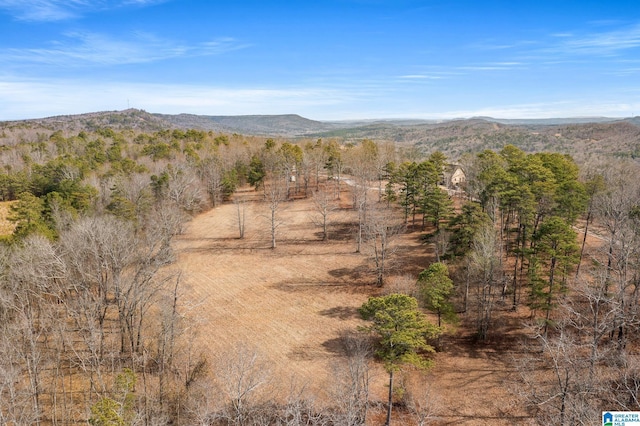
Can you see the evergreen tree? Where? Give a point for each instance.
(554, 253)
(402, 331)
(436, 289)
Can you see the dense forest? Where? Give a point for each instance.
(93, 329)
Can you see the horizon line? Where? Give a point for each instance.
(400, 118)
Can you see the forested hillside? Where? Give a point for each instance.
(582, 138)
(95, 325)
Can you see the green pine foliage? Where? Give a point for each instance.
(554, 254)
(401, 328)
(436, 292)
(28, 215)
(465, 225)
(120, 409)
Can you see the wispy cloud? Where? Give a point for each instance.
(626, 72)
(34, 98)
(602, 43)
(38, 98)
(461, 70)
(420, 77)
(564, 46)
(427, 74)
(59, 10)
(495, 45)
(574, 46)
(493, 66)
(87, 48)
(573, 108)
(43, 10)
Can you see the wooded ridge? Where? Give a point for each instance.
(581, 137)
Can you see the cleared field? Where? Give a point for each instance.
(291, 303)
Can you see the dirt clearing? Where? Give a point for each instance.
(293, 302)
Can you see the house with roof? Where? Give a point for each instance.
(453, 176)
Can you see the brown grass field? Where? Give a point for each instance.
(292, 303)
(6, 227)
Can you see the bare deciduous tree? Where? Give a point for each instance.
(325, 205)
(553, 382)
(402, 284)
(351, 389)
(183, 188)
(241, 210)
(616, 210)
(626, 385)
(275, 193)
(32, 270)
(212, 172)
(421, 398)
(592, 312)
(240, 373)
(485, 263)
(382, 226)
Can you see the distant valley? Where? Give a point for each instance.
(581, 137)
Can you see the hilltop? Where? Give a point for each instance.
(581, 137)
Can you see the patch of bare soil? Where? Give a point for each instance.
(476, 381)
(292, 303)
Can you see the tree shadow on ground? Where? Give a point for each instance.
(334, 346)
(506, 339)
(336, 286)
(341, 312)
(356, 273)
(344, 231)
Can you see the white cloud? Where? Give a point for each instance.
(566, 109)
(605, 43)
(594, 45)
(42, 10)
(493, 66)
(22, 99)
(421, 77)
(567, 46)
(33, 99)
(58, 10)
(86, 48)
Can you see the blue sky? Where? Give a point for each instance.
(322, 59)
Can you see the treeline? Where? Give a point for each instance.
(93, 322)
(93, 319)
(521, 242)
(124, 173)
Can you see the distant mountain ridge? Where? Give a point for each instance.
(289, 125)
(275, 125)
(548, 121)
(576, 136)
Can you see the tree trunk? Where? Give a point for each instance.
(584, 241)
(467, 284)
(273, 228)
(515, 269)
(241, 210)
(549, 295)
(325, 234)
(390, 401)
